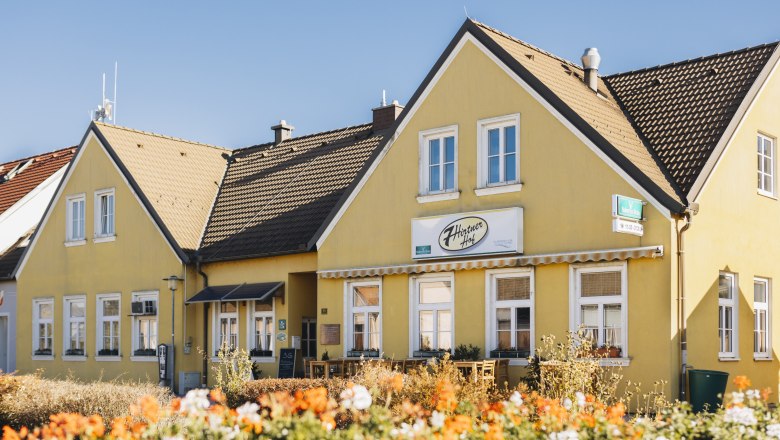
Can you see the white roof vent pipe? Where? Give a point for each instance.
(590, 63)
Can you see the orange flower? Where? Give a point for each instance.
(615, 413)
(395, 382)
(458, 424)
(445, 396)
(742, 382)
(10, 434)
(328, 422)
(766, 392)
(176, 404)
(217, 395)
(119, 427)
(150, 409)
(495, 432)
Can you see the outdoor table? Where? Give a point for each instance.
(313, 365)
(471, 367)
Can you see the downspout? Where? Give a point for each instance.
(682, 327)
(205, 373)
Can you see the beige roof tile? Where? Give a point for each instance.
(179, 178)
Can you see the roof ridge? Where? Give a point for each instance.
(50, 153)
(306, 136)
(525, 43)
(150, 133)
(693, 60)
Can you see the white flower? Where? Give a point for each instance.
(753, 394)
(567, 403)
(215, 420)
(177, 437)
(741, 415)
(356, 397)
(248, 413)
(195, 402)
(660, 437)
(569, 434)
(773, 430)
(410, 431)
(580, 399)
(737, 397)
(516, 398)
(437, 419)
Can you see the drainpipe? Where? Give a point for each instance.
(204, 377)
(682, 327)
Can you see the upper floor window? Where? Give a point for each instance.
(104, 213)
(601, 306)
(43, 327)
(363, 314)
(108, 323)
(439, 161)
(727, 315)
(75, 326)
(761, 318)
(498, 155)
(263, 322)
(766, 165)
(75, 217)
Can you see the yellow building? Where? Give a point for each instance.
(516, 195)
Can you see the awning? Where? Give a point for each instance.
(238, 292)
(494, 263)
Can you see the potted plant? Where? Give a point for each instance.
(430, 353)
(606, 351)
(108, 352)
(510, 353)
(256, 352)
(467, 353)
(370, 353)
(43, 352)
(145, 352)
(257, 373)
(74, 352)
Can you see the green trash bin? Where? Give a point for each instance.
(707, 388)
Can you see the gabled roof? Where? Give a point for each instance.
(683, 109)
(176, 179)
(19, 177)
(275, 199)
(597, 115)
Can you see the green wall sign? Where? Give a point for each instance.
(626, 207)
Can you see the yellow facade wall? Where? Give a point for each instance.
(566, 197)
(734, 231)
(137, 260)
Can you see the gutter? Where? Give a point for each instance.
(204, 377)
(682, 326)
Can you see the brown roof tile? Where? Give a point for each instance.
(683, 109)
(34, 170)
(274, 198)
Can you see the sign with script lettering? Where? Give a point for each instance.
(498, 231)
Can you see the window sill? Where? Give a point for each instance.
(108, 358)
(74, 358)
(767, 195)
(105, 239)
(728, 359)
(143, 358)
(615, 362)
(762, 358)
(428, 198)
(41, 357)
(75, 243)
(498, 189)
(260, 360)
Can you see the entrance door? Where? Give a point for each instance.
(4, 343)
(309, 338)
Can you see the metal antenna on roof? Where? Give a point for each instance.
(116, 70)
(106, 108)
(465, 10)
(384, 98)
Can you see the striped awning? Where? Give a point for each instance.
(495, 263)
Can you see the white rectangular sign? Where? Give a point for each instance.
(627, 227)
(498, 231)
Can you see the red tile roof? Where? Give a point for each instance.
(34, 170)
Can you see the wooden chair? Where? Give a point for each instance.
(306, 368)
(489, 371)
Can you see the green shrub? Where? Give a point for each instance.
(467, 353)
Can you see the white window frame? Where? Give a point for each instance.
(734, 304)
(67, 321)
(251, 316)
(151, 295)
(483, 126)
(425, 194)
(767, 309)
(36, 333)
(218, 315)
(415, 307)
(577, 302)
(772, 172)
(350, 310)
(491, 277)
(100, 319)
(101, 236)
(70, 239)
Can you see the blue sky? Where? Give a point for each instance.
(224, 72)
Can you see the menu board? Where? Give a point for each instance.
(287, 357)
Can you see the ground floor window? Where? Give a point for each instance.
(144, 305)
(43, 327)
(600, 302)
(108, 324)
(432, 308)
(226, 334)
(262, 330)
(727, 316)
(363, 312)
(761, 321)
(75, 325)
(510, 313)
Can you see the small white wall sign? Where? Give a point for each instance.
(627, 227)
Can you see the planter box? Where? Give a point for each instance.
(42, 353)
(105, 352)
(145, 352)
(361, 353)
(604, 352)
(510, 354)
(74, 352)
(261, 353)
(430, 354)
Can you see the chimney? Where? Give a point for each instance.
(590, 63)
(282, 131)
(385, 115)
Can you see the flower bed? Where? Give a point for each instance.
(356, 413)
